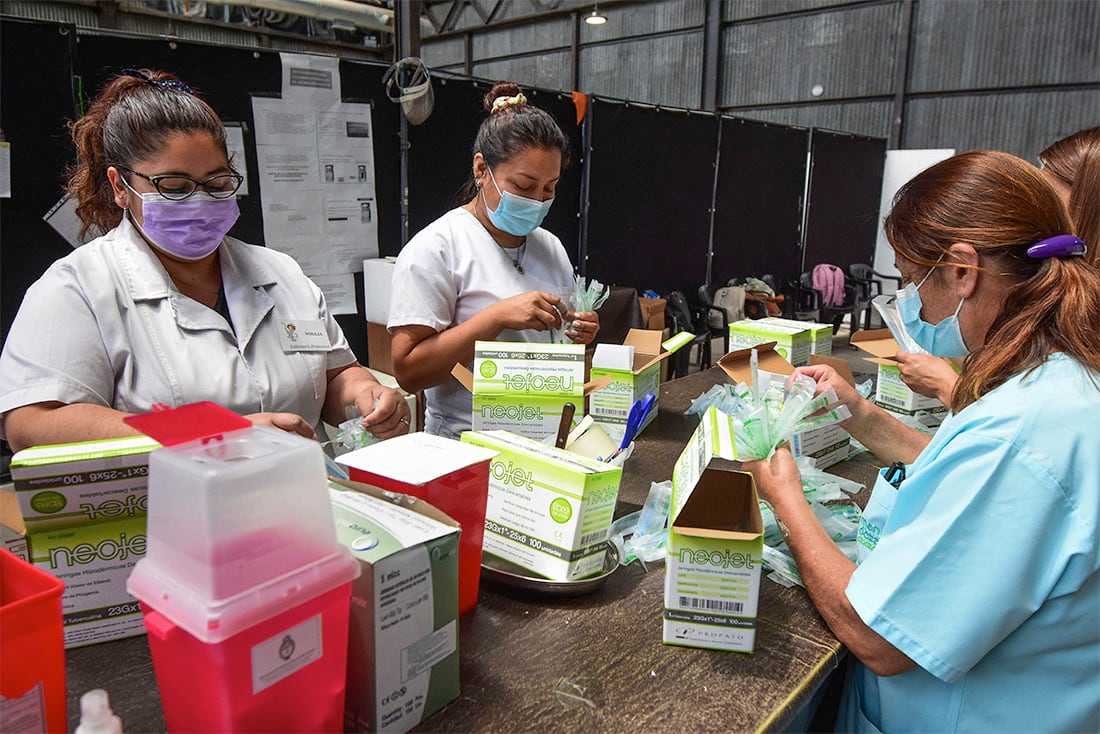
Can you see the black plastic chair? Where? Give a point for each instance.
(832, 314)
(868, 284)
(684, 316)
(716, 318)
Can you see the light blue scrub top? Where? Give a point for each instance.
(986, 574)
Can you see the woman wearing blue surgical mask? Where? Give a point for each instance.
(165, 308)
(486, 270)
(976, 602)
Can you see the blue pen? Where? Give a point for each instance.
(634, 420)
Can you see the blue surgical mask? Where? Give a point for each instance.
(943, 339)
(516, 214)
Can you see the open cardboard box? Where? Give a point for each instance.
(715, 544)
(827, 445)
(891, 391)
(611, 405)
(793, 340)
(522, 387)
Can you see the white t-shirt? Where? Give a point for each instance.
(451, 270)
(105, 325)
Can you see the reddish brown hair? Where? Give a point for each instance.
(1000, 205)
(1075, 161)
(130, 120)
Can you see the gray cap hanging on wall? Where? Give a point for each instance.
(409, 83)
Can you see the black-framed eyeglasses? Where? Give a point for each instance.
(177, 187)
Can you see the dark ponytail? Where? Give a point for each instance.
(130, 120)
(512, 127)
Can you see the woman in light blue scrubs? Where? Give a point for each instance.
(976, 606)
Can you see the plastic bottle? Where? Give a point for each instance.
(96, 716)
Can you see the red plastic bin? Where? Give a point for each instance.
(32, 644)
(454, 480)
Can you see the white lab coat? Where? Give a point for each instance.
(106, 325)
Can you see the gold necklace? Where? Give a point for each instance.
(182, 286)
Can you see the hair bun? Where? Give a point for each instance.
(502, 89)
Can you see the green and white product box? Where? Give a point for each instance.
(71, 484)
(403, 640)
(522, 387)
(821, 335)
(549, 510)
(610, 405)
(826, 445)
(715, 544)
(792, 343)
(890, 391)
(94, 561)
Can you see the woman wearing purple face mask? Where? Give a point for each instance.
(165, 307)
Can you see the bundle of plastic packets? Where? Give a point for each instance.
(589, 297)
(770, 411)
(763, 416)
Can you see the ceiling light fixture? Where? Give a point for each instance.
(595, 18)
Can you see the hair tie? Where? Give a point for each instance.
(1060, 245)
(173, 84)
(501, 102)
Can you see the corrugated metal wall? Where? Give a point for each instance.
(1006, 74)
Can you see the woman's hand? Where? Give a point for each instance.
(931, 376)
(385, 412)
(584, 327)
(777, 479)
(289, 422)
(531, 310)
(826, 377)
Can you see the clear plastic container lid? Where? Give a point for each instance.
(239, 529)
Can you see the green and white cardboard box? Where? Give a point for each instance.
(69, 484)
(94, 560)
(610, 405)
(715, 544)
(403, 640)
(792, 342)
(549, 510)
(891, 392)
(522, 387)
(821, 335)
(13, 534)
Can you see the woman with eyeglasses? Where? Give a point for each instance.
(976, 602)
(165, 308)
(486, 270)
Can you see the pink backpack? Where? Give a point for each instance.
(829, 279)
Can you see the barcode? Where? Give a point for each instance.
(711, 605)
(892, 401)
(613, 413)
(591, 538)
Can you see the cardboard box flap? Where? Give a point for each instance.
(880, 343)
(415, 458)
(649, 349)
(10, 516)
(736, 364)
(723, 504)
(466, 378)
(404, 501)
(840, 365)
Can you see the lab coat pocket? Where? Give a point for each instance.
(875, 515)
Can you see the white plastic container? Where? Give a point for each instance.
(244, 587)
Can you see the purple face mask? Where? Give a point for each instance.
(190, 229)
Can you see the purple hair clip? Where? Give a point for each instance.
(1061, 245)
(174, 84)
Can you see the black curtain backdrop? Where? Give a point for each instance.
(758, 213)
(441, 155)
(844, 193)
(651, 180)
(33, 122)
